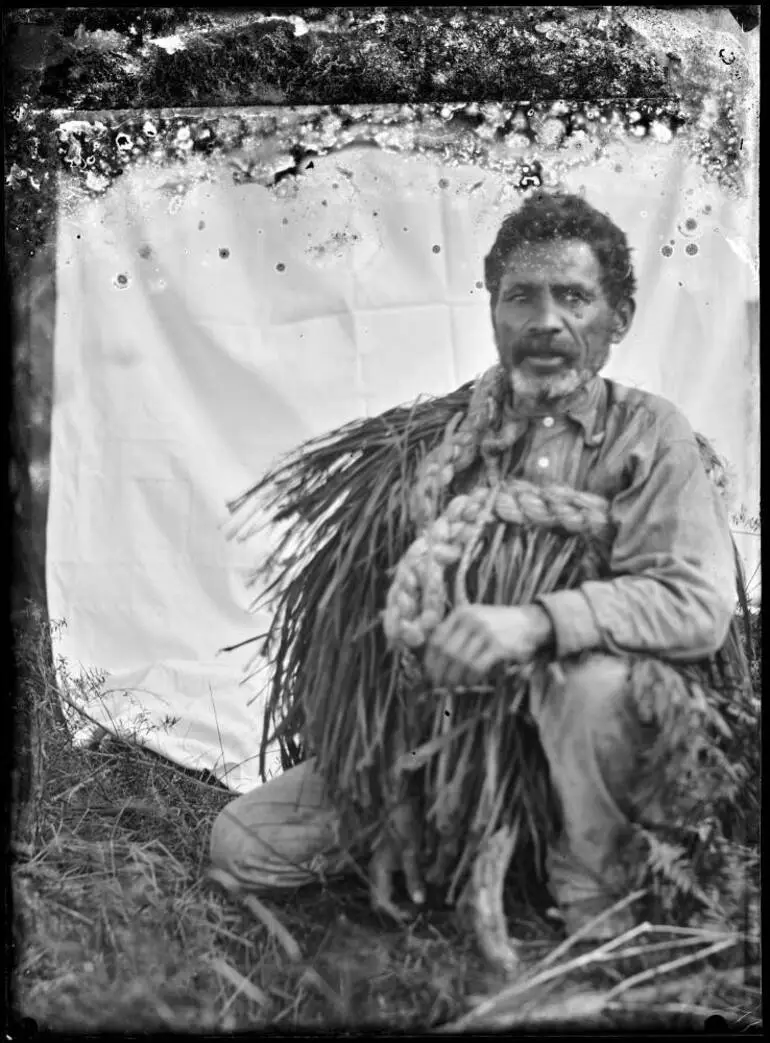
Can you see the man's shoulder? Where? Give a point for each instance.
(637, 401)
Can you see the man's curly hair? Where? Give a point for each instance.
(552, 215)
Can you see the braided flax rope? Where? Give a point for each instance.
(417, 599)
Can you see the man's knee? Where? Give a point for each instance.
(272, 836)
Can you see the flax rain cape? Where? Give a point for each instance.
(377, 548)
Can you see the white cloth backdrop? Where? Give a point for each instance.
(185, 360)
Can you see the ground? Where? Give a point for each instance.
(117, 926)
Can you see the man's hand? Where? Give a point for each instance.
(475, 638)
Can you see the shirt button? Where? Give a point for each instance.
(543, 462)
(548, 421)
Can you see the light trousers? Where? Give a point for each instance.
(284, 833)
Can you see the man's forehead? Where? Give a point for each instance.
(554, 256)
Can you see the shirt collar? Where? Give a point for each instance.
(582, 406)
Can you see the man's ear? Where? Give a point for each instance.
(622, 318)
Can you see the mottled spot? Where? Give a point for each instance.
(667, 251)
(324, 202)
(145, 251)
(691, 249)
(406, 229)
(201, 225)
(285, 221)
(224, 253)
(280, 267)
(479, 285)
(335, 184)
(121, 280)
(707, 208)
(618, 168)
(375, 213)
(691, 223)
(530, 179)
(443, 182)
(436, 248)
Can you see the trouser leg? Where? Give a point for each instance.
(283, 834)
(590, 737)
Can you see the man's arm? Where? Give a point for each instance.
(674, 587)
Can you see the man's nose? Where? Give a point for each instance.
(547, 319)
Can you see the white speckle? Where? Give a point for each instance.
(548, 421)
(170, 44)
(300, 25)
(661, 132)
(17, 173)
(97, 182)
(742, 250)
(551, 132)
(74, 126)
(149, 129)
(543, 462)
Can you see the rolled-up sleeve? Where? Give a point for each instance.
(672, 585)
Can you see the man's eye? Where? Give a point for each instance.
(575, 296)
(516, 296)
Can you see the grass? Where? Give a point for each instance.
(117, 928)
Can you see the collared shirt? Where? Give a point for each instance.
(672, 591)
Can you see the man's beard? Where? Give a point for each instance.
(540, 389)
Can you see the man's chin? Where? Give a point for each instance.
(545, 388)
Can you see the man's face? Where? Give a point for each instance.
(552, 321)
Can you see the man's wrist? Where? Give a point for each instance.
(543, 633)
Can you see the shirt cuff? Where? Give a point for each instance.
(574, 624)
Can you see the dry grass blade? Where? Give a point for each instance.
(274, 926)
(579, 1008)
(242, 985)
(260, 911)
(586, 929)
(313, 978)
(672, 965)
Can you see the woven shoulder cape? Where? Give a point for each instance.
(376, 548)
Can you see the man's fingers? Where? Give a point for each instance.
(458, 662)
(488, 659)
